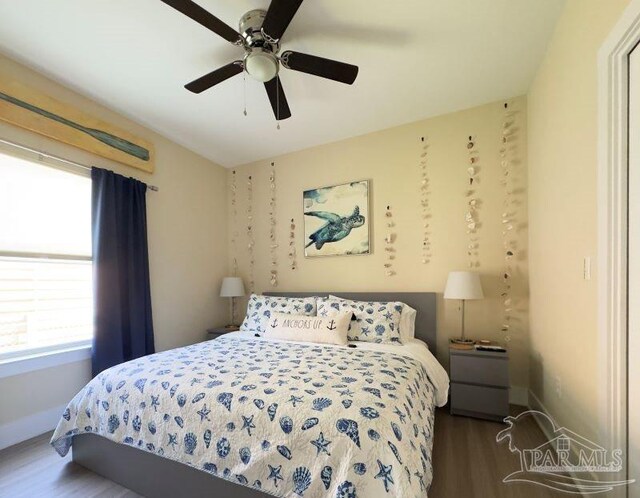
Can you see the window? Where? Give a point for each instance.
(45, 257)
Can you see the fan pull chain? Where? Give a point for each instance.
(278, 102)
(244, 91)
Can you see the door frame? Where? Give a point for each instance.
(613, 100)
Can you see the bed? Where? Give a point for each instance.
(248, 417)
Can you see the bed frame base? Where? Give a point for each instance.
(150, 475)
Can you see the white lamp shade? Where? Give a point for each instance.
(463, 285)
(232, 287)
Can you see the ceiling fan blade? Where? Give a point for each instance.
(318, 66)
(215, 77)
(208, 20)
(277, 98)
(278, 18)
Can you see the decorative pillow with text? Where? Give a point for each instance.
(329, 330)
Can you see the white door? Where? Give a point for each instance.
(633, 460)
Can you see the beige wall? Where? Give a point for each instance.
(187, 231)
(563, 228)
(390, 159)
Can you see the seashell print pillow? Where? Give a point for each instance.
(407, 319)
(260, 308)
(374, 321)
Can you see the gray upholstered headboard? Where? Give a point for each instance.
(423, 302)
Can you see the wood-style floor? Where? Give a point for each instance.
(468, 463)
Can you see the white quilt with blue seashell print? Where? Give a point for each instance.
(287, 418)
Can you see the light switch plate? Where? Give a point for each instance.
(586, 268)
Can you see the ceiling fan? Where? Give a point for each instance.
(259, 35)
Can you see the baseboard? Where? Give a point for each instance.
(30, 426)
(536, 404)
(518, 396)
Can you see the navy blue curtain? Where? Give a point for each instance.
(123, 327)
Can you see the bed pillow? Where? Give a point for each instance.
(260, 308)
(371, 322)
(408, 323)
(326, 330)
(407, 319)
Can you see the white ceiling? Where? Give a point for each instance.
(417, 58)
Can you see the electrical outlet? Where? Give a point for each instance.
(558, 387)
(586, 268)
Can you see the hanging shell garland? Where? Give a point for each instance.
(389, 240)
(292, 246)
(472, 215)
(508, 219)
(273, 239)
(250, 234)
(234, 220)
(424, 203)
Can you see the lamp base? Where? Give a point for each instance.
(462, 340)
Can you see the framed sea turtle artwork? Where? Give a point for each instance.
(337, 220)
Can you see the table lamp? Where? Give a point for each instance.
(463, 285)
(232, 287)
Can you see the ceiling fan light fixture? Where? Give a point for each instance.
(259, 34)
(261, 65)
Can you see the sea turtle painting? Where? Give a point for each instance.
(336, 220)
(337, 227)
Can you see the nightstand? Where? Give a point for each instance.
(479, 383)
(215, 332)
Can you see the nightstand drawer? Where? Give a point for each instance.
(487, 371)
(468, 399)
(215, 332)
